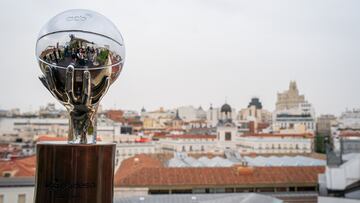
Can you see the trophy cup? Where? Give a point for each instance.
(80, 53)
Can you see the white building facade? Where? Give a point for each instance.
(296, 120)
(275, 144)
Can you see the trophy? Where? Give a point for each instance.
(80, 53)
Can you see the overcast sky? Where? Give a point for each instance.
(197, 52)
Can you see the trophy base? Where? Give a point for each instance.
(74, 173)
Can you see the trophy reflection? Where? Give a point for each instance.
(80, 53)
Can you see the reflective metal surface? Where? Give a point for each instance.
(80, 53)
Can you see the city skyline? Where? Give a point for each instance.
(228, 49)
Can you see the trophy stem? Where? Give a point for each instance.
(81, 123)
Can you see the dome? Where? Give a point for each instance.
(226, 108)
(255, 102)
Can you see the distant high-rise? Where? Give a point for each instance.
(255, 102)
(289, 99)
(255, 112)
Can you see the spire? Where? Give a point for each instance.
(292, 85)
(177, 117)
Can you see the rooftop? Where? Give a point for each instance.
(282, 135)
(24, 167)
(182, 160)
(350, 133)
(146, 171)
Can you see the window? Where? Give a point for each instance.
(184, 191)
(21, 198)
(228, 136)
(229, 190)
(159, 191)
(6, 174)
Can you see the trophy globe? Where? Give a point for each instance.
(80, 53)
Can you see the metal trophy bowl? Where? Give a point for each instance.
(80, 53)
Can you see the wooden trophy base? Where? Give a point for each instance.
(74, 173)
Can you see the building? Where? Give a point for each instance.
(290, 98)
(20, 190)
(129, 149)
(189, 113)
(266, 143)
(130, 113)
(346, 140)
(24, 129)
(296, 120)
(17, 181)
(201, 198)
(324, 123)
(115, 115)
(177, 123)
(341, 180)
(214, 115)
(226, 130)
(107, 129)
(255, 112)
(157, 121)
(293, 114)
(143, 175)
(188, 143)
(350, 119)
(49, 111)
(233, 158)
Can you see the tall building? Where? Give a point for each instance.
(226, 129)
(293, 114)
(324, 123)
(295, 120)
(290, 98)
(255, 112)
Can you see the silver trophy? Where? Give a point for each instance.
(80, 53)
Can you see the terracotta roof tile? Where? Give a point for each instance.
(350, 133)
(151, 173)
(44, 138)
(49, 138)
(24, 167)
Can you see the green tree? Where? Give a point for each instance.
(320, 143)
